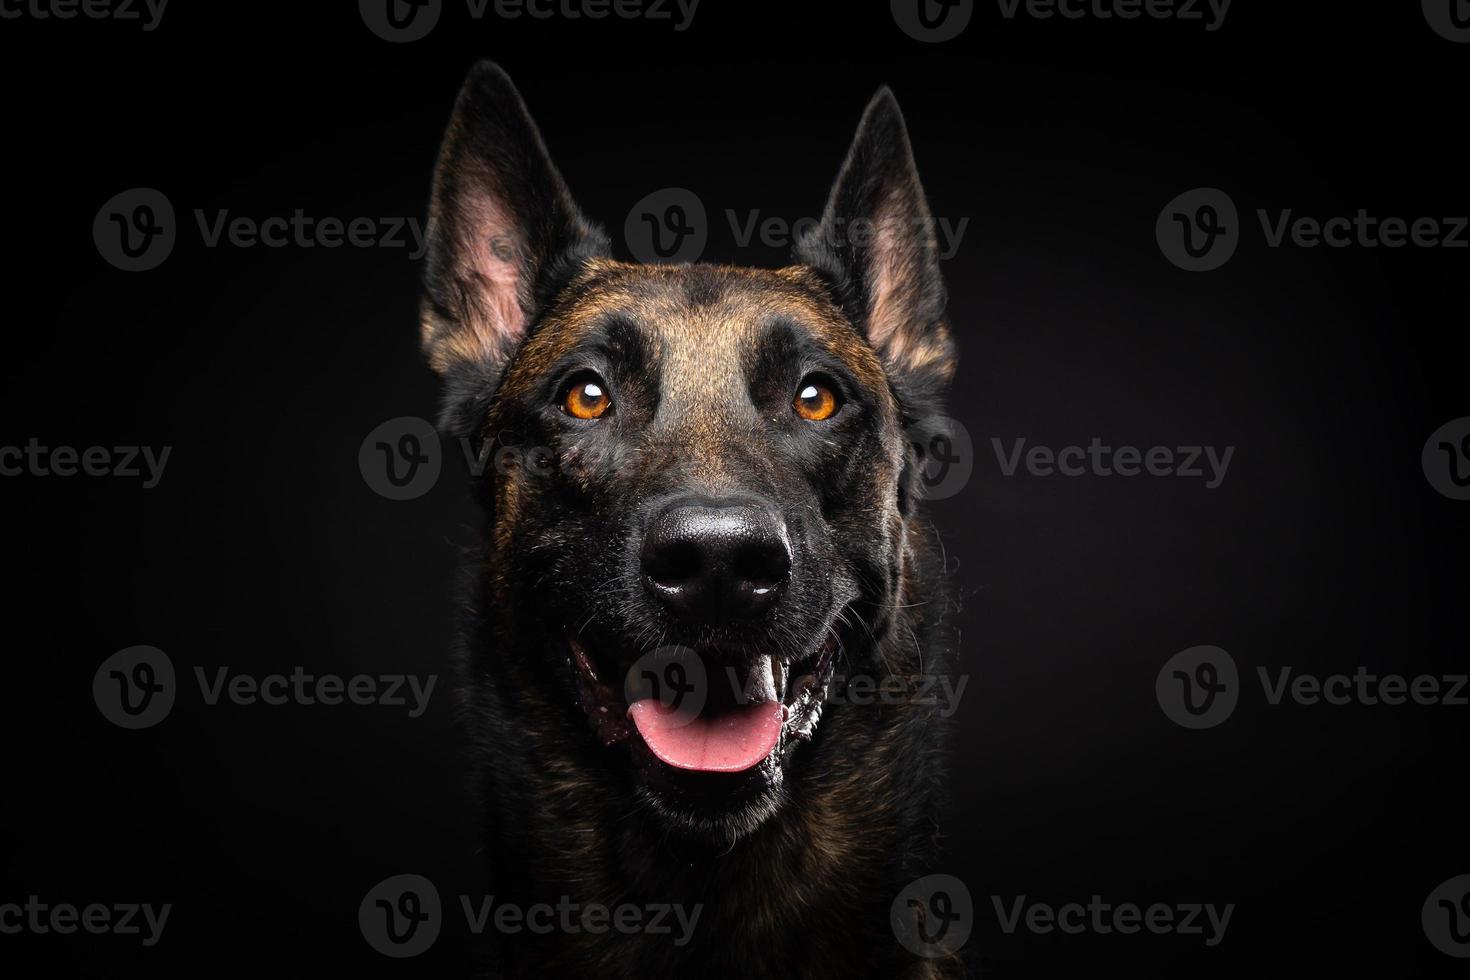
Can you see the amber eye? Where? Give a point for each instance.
(587, 399)
(815, 401)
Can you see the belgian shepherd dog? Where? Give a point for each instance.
(722, 515)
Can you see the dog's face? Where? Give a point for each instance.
(715, 508)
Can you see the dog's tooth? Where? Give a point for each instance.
(761, 686)
(779, 674)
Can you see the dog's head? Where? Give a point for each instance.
(700, 483)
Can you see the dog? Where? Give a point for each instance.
(723, 516)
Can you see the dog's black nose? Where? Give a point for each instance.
(708, 560)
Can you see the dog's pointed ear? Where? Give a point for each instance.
(877, 245)
(503, 233)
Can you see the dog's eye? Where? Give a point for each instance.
(587, 399)
(816, 400)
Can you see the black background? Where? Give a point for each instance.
(263, 549)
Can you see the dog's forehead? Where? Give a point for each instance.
(698, 323)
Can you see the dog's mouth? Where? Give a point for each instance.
(701, 712)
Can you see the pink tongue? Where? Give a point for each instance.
(731, 742)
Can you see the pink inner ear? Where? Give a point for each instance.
(492, 258)
(891, 276)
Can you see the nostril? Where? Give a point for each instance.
(764, 565)
(673, 563)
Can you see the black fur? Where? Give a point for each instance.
(794, 862)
